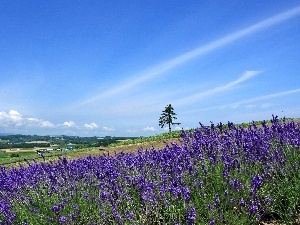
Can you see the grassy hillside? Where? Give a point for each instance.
(132, 145)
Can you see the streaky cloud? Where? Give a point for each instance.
(257, 99)
(202, 95)
(265, 97)
(151, 73)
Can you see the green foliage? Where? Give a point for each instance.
(167, 117)
(13, 155)
(158, 137)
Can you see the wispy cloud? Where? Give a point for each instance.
(108, 129)
(265, 97)
(149, 129)
(266, 105)
(170, 64)
(202, 95)
(252, 100)
(250, 106)
(131, 131)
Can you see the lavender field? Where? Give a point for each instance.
(222, 174)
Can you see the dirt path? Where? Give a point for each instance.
(123, 148)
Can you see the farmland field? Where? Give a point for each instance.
(7, 160)
(222, 174)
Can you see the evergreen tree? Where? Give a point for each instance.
(167, 117)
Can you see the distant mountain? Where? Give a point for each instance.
(6, 134)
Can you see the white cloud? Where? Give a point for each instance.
(174, 128)
(14, 118)
(176, 61)
(178, 128)
(46, 124)
(91, 126)
(69, 124)
(14, 114)
(34, 122)
(108, 129)
(149, 129)
(11, 118)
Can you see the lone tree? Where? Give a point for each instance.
(167, 117)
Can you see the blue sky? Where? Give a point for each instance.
(97, 68)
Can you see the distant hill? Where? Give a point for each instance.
(30, 141)
(6, 134)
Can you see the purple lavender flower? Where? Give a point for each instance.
(269, 200)
(226, 173)
(72, 216)
(204, 169)
(86, 196)
(200, 184)
(186, 193)
(75, 206)
(217, 201)
(212, 221)
(236, 184)
(10, 218)
(62, 219)
(129, 215)
(209, 207)
(242, 202)
(253, 209)
(159, 178)
(254, 205)
(256, 183)
(226, 192)
(55, 209)
(191, 216)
